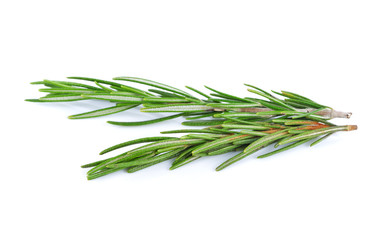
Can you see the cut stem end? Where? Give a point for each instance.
(352, 127)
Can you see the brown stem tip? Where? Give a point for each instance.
(352, 127)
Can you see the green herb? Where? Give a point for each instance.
(233, 124)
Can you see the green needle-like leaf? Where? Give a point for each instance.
(234, 105)
(184, 162)
(223, 150)
(62, 98)
(295, 96)
(228, 96)
(102, 173)
(266, 140)
(145, 122)
(189, 131)
(165, 100)
(242, 126)
(219, 142)
(203, 122)
(114, 97)
(136, 91)
(178, 108)
(155, 84)
(235, 114)
(233, 159)
(203, 115)
(136, 141)
(321, 139)
(199, 92)
(102, 112)
(284, 148)
(305, 103)
(67, 90)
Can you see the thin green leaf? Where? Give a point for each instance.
(164, 100)
(284, 148)
(305, 103)
(102, 173)
(114, 97)
(136, 91)
(70, 84)
(178, 108)
(203, 115)
(254, 133)
(203, 122)
(320, 139)
(221, 99)
(184, 162)
(189, 131)
(234, 105)
(242, 126)
(93, 164)
(219, 130)
(102, 112)
(140, 167)
(245, 141)
(295, 96)
(235, 114)
(155, 84)
(203, 136)
(223, 150)
(165, 94)
(266, 140)
(290, 122)
(67, 90)
(136, 141)
(145, 122)
(103, 87)
(233, 159)
(228, 96)
(63, 98)
(272, 106)
(199, 92)
(168, 149)
(219, 142)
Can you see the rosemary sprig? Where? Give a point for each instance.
(209, 142)
(242, 125)
(169, 99)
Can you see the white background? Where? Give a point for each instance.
(332, 51)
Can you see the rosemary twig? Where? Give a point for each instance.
(191, 147)
(169, 99)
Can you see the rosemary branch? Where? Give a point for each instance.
(169, 99)
(211, 141)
